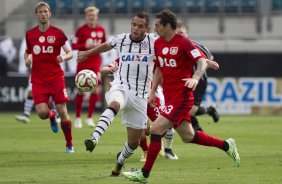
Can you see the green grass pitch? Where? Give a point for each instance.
(31, 153)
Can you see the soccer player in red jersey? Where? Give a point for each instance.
(87, 37)
(44, 43)
(200, 90)
(176, 56)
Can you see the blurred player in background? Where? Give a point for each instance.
(87, 37)
(28, 104)
(176, 56)
(44, 43)
(130, 88)
(200, 90)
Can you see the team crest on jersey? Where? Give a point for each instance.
(51, 39)
(41, 39)
(36, 49)
(93, 34)
(173, 50)
(165, 51)
(144, 45)
(100, 34)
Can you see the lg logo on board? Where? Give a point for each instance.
(37, 49)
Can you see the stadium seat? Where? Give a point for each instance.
(121, 6)
(231, 6)
(212, 6)
(103, 5)
(156, 5)
(65, 6)
(83, 4)
(249, 6)
(138, 5)
(276, 5)
(193, 6)
(173, 5)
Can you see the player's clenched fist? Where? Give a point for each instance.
(191, 83)
(81, 55)
(28, 60)
(60, 58)
(152, 99)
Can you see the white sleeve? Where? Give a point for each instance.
(67, 45)
(116, 40)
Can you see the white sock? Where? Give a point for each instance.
(28, 105)
(125, 154)
(169, 138)
(104, 122)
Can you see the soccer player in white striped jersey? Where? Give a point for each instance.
(130, 89)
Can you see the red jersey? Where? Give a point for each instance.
(45, 47)
(176, 59)
(85, 35)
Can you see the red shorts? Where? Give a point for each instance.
(177, 110)
(56, 89)
(154, 112)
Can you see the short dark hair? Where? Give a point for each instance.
(143, 15)
(167, 17)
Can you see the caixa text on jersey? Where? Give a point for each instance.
(135, 58)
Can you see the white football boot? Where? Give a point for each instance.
(77, 123)
(90, 122)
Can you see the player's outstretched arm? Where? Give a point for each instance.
(212, 64)
(112, 68)
(68, 54)
(201, 68)
(104, 47)
(157, 79)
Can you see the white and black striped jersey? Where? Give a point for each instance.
(136, 62)
(207, 53)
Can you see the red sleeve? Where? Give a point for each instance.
(77, 43)
(104, 37)
(191, 50)
(28, 46)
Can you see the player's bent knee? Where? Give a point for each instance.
(188, 137)
(43, 114)
(115, 105)
(133, 144)
(117, 97)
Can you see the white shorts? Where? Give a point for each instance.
(29, 87)
(134, 109)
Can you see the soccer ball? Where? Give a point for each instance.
(86, 80)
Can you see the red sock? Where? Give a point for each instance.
(206, 140)
(78, 104)
(92, 104)
(143, 144)
(153, 151)
(51, 115)
(66, 127)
